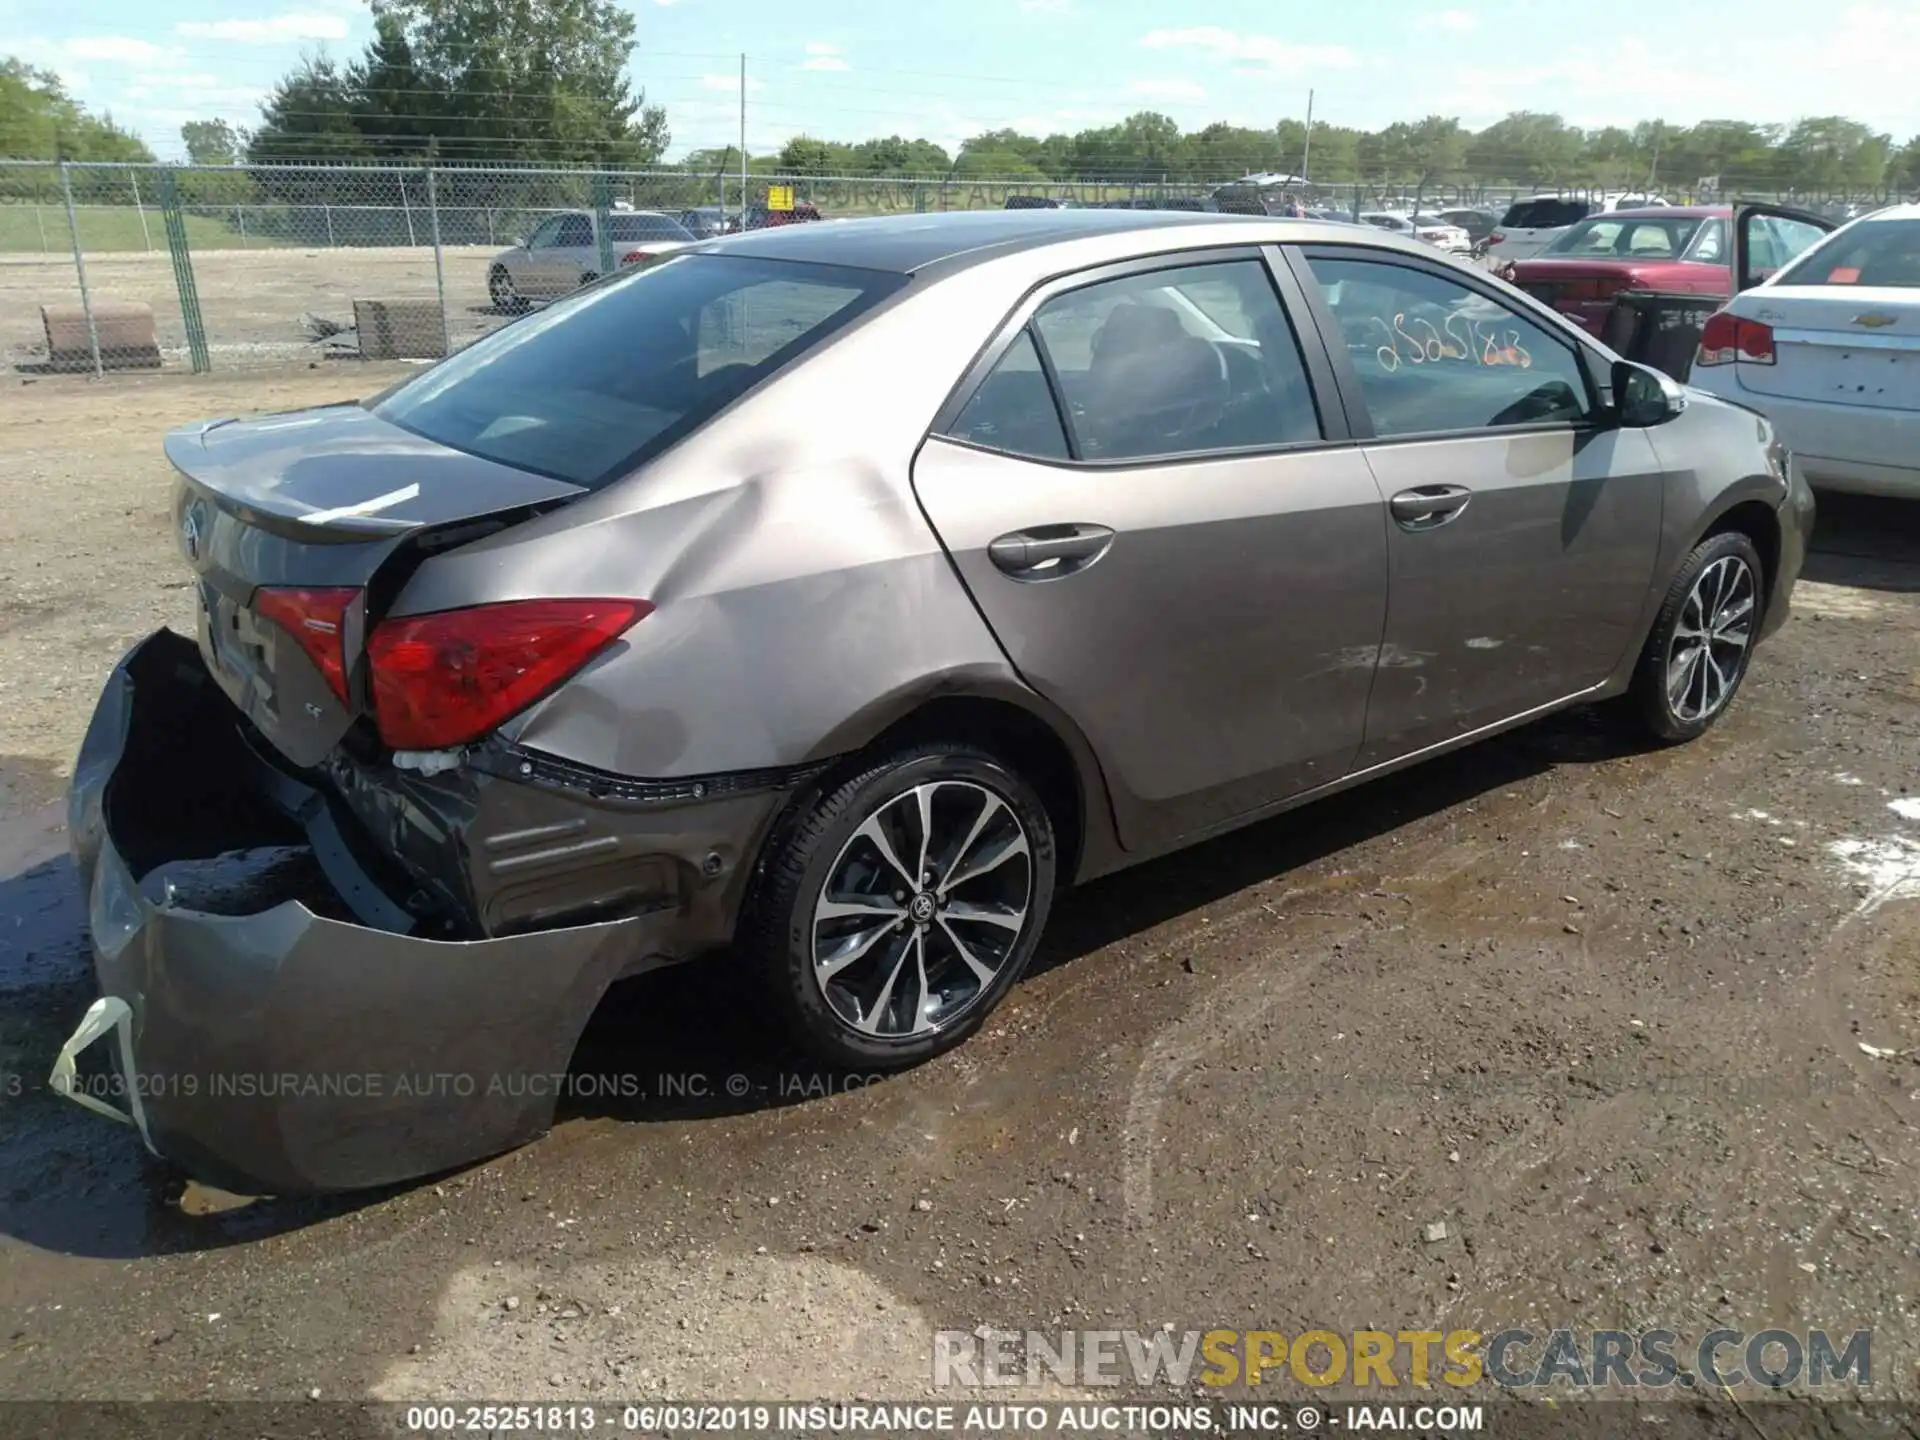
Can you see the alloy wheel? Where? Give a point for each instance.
(1711, 639)
(921, 909)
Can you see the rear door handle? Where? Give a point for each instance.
(1426, 506)
(1048, 552)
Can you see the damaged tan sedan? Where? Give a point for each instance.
(834, 594)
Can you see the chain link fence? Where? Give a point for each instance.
(117, 267)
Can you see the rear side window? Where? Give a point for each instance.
(1881, 252)
(1178, 362)
(1013, 409)
(595, 383)
(1546, 214)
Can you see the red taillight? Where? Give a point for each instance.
(1498, 237)
(634, 257)
(317, 621)
(1726, 338)
(443, 679)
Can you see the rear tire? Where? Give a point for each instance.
(587, 277)
(1702, 641)
(898, 904)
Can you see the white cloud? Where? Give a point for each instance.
(115, 49)
(270, 30)
(1459, 21)
(1167, 90)
(822, 56)
(1265, 53)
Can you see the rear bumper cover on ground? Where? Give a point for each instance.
(275, 1045)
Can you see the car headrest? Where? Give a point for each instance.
(1132, 327)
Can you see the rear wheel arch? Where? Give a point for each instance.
(1043, 744)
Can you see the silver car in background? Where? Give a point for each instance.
(564, 252)
(819, 601)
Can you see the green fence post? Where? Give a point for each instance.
(602, 203)
(176, 222)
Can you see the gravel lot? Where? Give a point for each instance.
(1640, 1030)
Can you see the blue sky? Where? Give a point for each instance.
(842, 69)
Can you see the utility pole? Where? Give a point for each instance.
(1306, 151)
(743, 140)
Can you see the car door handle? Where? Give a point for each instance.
(1426, 506)
(1048, 552)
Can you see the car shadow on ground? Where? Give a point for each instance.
(682, 1045)
(1870, 542)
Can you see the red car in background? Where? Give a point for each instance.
(1675, 249)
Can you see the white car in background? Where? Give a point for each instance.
(563, 253)
(1827, 345)
(1532, 224)
(1430, 228)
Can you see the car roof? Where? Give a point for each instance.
(908, 243)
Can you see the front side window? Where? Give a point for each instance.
(593, 384)
(576, 231)
(1434, 356)
(545, 233)
(1177, 362)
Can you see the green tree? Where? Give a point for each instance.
(1904, 171)
(40, 121)
(803, 155)
(312, 114)
(1526, 146)
(212, 142)
(1831, 152)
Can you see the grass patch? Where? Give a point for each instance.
(28, 228)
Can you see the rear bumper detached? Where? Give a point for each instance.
(269, 1042)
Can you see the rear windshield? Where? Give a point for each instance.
(1546, 214)
(1617, 238)
(625, 228)
(588, 387)
(1880, 252)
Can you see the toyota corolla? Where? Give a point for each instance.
(822, 600)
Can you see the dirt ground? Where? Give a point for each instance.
(1640, 1030)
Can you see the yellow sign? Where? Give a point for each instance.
(779, 197)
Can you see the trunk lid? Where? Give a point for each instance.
(329, 499)
(1584, 290)
(1838, 345)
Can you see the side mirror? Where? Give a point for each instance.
(1643, 397)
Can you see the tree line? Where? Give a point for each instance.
(544, 82)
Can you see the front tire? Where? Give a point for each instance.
(899, 904)
(1702, 640)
